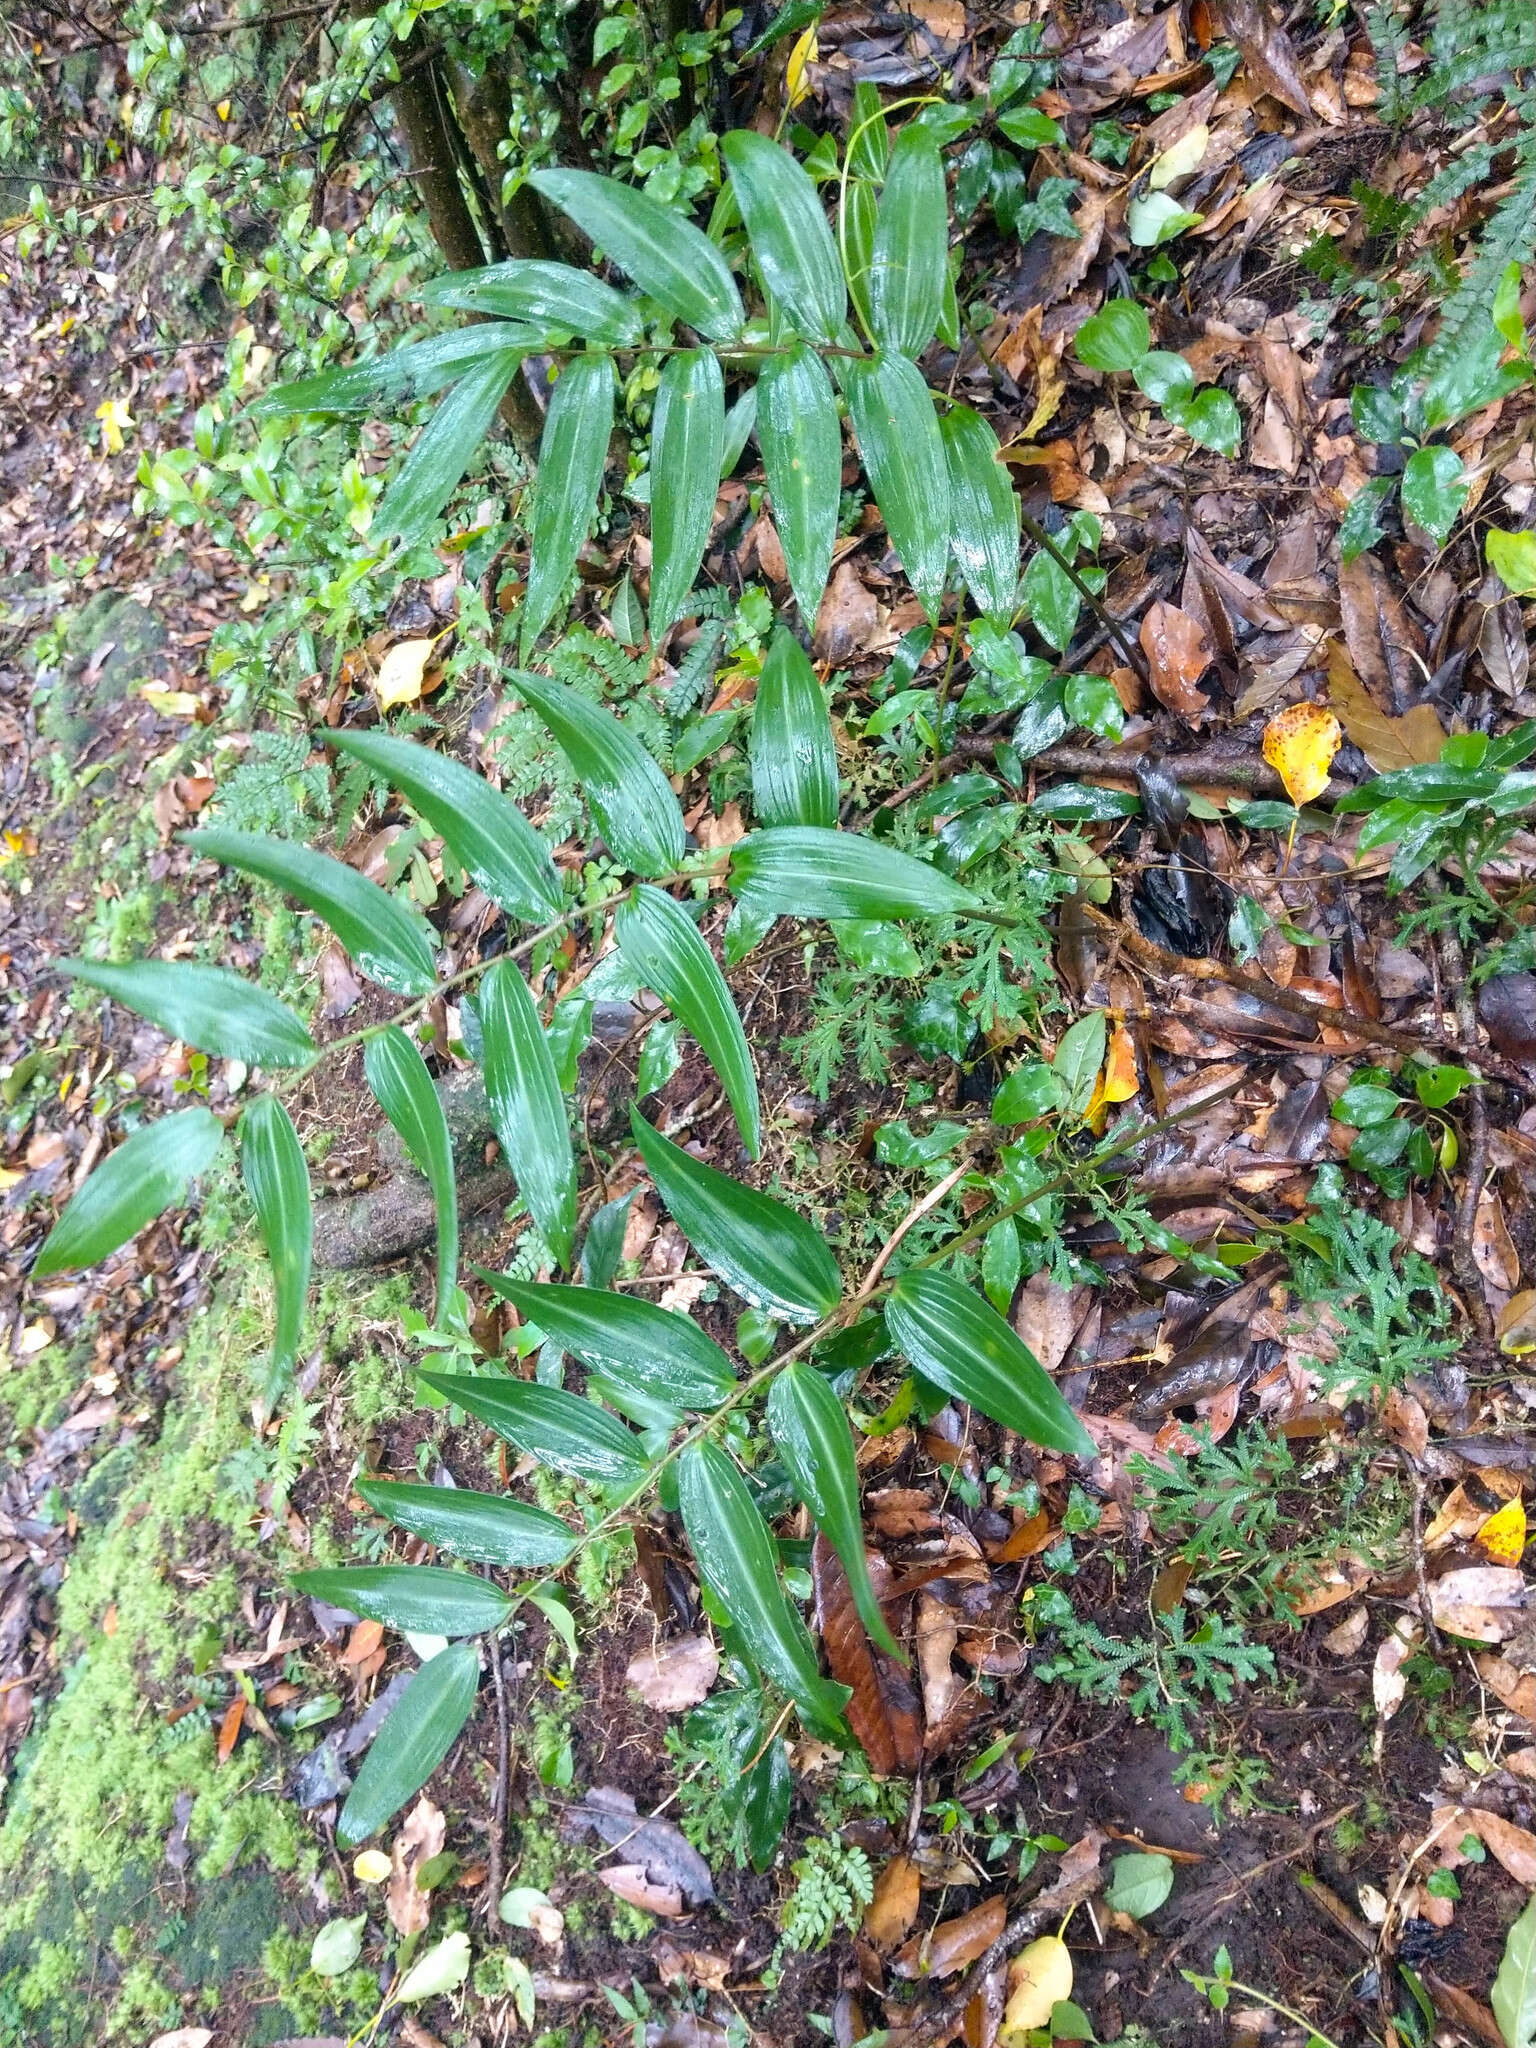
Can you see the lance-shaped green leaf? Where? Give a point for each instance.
(543, 295)
(768, 1254)
(277, 1181)
(630, 798)
(687, 446)
(424, 1598)
(788, 231)
(559, 1429)
(811, 1430)
(665, 1354)
(857, 220)
(390, 943)
(737, 1561)
(903, 455)
(418, 1733)
(906, 279)
(954, 1339)
(205, 1007)
(572, 453)
(984, 513)
(149, 1172)
(402, 375)
(661, 943)
(665, 254)
(527, 1106)
(794, 756)
(402, 1087)
(445, 447)
(1514, 1988)
(802, 444)
(484, 831)
(802, 871)
(487, 1528)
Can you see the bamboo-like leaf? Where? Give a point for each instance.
(626, 1338)
(665, 254)
(402, 375)
(984, 513)
(427, 1599)
(962, 1345)
(811, 1431)
(903, 454)
(737, 1561)
(802, 871)
(687, 446)
(149, 1172)
(277, 1181)
(794, 756)
(390, 943)
(572, 454)
(206, 1007)
(1514, 1988)
(445, 447)
(630, 798)
(906, 280)
(487, 1528)
(544, 295)
(802, 444)
(527, 1106)
(402, 1087)
(759, 1247)
(418, 1733)
(662, 944)
(859, 218)
(788, 232)
(484, 831)
(559, 1429)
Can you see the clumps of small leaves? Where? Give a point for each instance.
(833, 1885)
(1163, 1677)
(1223, 1503)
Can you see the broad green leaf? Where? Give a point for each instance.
(1115, 338)
(425, 1598)
(1051, 599)
(206, 1007)
(442, 1969)
(629, 796)
(445, 447)
(402, 1087)
(794, 756)
(906, 280)
(665, 254)
(983, 512)
(559, 1429)
(1078, 1059)
(337, 1946)
(811, 1431)
(738, 1561)
(1211, 417)
(484, 831)
(802, 444)
(687, 444)
(903, 455)
(527, 1105)
(661, 943)
(149, 1172)
(403, 375)
(1512, 558)
(770, 1255)
(803, 871)
(954, 1339)
(544, 295)
(869, 141)
(572, 453)
(660, 1057)
(857, 221)
(1139, 1884)
(1002, 1264)
(1157, 217)
(1162, 375)
(623, 1336)
(1031, 1089)
(417, 1734)
(486, 1528)
(1031, 129)
(390, 943)
(788, 231)
(1377, 412)
(1514, 1988)
(1361, 527)
(277, 1181)
(1435, 488)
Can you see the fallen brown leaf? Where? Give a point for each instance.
(888, 1917)
(1266, 49)
(1484, 1602)
(1177, 656)
(421, 1838)
(1386, 742)
(630, 1883)
(953, 1944)
(883, 1712)
(674, 1675)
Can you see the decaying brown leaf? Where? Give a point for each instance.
(947, 1704)
(629, 1882)
(1266, 49)
(1484, 1602)
(953, 1944)
(1177, 657)
(1386, 742)
(674, 1675)
(421, 1839)
(883, 1712)
(890, 1913)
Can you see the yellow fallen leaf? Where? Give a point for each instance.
(169, 703)
(1181, 157)
(1502, 1536)
(10, 1177)
(796, 85)
(1118, 1082)
(1299, 744)
(114, 416)
(222, 110)
(371, 1866)
(1039, 1978)
(402, 672)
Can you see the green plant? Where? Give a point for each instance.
(833, 1885)
(1166, 1672)
(1119, 337)
(1402, 1134)
(1221, 1984)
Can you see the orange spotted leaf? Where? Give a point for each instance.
(1502, 1536)
(1299, 744)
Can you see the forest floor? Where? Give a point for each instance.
(1345, 1785)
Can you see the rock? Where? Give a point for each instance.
(1506, 1009)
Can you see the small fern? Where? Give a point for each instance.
(833, 1885)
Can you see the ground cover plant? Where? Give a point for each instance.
(825, 719)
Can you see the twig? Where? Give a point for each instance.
(1463, 1258)
(931, 1200)
(503, 1787)
(1420, 1574)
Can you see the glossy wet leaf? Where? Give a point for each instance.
(954, 1339)
(629, 796)
(1299, 744)
(902, 450)
(984, 513)
(572, 455)
(1435, 488)
(148, 1173)
(402, 1087)
(401, 375)
(209, 1008)
(417, 1734)
(427, 1599)
(389, 942)
(1514, 1988)
(911, 245)
(445, 447)
(559, 1429)
(802, 444)
(666, 255)
(485, 1528)
(687, 443)
(276, 1178)
(1211, 417)
(794, 756)
(1114, 338)
(528, 1106)
(545, 295)
(788, 231)
(626, 1337)
(803, 871)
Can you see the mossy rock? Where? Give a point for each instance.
(85, 687)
